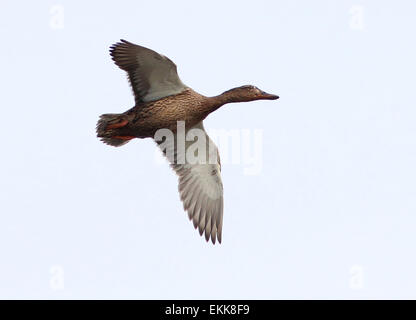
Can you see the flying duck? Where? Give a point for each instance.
(162, 103)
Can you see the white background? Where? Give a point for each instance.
(332, 212)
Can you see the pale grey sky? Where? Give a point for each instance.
(331, 214)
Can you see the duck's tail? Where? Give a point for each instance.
(110, 127)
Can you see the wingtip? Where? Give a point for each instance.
(215, 238)
(115, 45)
(125, 41)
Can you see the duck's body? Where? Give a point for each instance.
(161, 101)
(146, 118)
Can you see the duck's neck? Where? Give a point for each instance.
(230, 96)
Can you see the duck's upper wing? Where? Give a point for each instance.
(152, 76)
(200, 184)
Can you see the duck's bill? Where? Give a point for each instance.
(269, 96)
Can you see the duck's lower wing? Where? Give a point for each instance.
(198, 166)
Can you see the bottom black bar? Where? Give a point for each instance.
(206, 309)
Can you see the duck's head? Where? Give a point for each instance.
(248, 93)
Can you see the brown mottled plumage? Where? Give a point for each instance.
(162, 100)
(145, 118)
